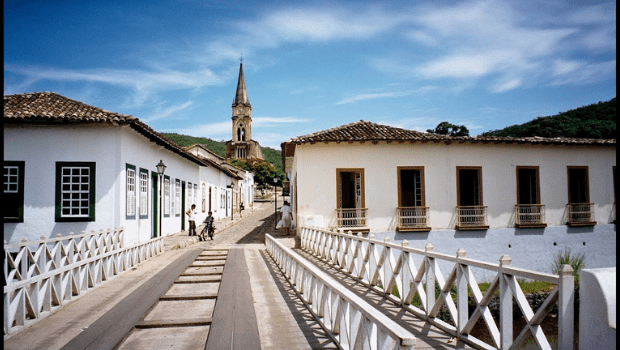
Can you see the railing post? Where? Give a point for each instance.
(461, 294)
(566, 308)
(430, 279)
(505, 305)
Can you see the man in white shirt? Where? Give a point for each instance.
(192, 220)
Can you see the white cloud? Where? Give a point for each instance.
(494, 40)
(324, 24)
(168, 111)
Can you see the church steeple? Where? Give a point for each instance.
(241, 97)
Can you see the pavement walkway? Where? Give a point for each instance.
(281, 319)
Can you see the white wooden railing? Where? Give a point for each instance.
(390, 269)
(412, 218)
(351, 218)
(352, 322)
(529, 214)
(580, 213)
(42, 275)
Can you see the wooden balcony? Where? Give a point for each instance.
(352, 219)
(471, 218)
(412, 219)
(530, 215)
(581, 214)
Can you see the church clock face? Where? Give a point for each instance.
(240, 109)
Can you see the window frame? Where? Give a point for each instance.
(529, 167)
(144, 195)
(19, 194)
(91, 191)
(177, 197)
(458, 185)
(587, 181)
(130, 196)
(422, 184)
(166, 185)
(339, 171)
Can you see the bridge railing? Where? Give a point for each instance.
(390, 269)
(41, 275)
(353, 322)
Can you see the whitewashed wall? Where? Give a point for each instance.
(41, 147)
(315, 167)
(137, 150)
(111, 148)
(316, 170)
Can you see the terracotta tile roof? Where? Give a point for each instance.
(52, 108)
(363, 131)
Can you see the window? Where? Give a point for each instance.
(195, 194)
(580, 210)
(471, 214)
(204, 197)
(131, 192)
(412, 213)
(144, 193)
(350, 208)
(529, 211)
(240, 152)
(177, 197)
(13, 191)
(75, 191)
(166, 195)
(189, 197)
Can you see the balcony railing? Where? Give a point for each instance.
(413, 219)
(581, 214)
(530, 215)
(471, 218)
(352, 218)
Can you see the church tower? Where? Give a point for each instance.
(242, 146)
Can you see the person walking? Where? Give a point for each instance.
(286, 218)
(209, 227)
(192, 220)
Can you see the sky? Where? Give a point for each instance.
(315, 65)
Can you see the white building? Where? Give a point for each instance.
(526, 197)
(71, 167)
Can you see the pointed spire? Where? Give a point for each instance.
(241, 97)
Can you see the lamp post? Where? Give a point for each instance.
(161, 168)
(275, 201)
(241, 199)
(232, 201)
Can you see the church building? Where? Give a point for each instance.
(242, 146)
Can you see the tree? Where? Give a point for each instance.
(264, 172)
(445, 128)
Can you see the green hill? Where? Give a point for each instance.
(597, 121)
(219, 147)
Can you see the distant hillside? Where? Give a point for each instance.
(219, 147)
(597, 121)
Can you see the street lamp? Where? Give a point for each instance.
(232, 201)
(275, 196)
(161, 168)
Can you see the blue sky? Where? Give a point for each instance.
(314, 65)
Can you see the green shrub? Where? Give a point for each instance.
(566, 257)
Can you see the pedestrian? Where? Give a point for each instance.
(209, 227)
(192, 220)
(286, 217)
